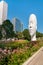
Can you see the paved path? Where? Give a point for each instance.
(38, 60)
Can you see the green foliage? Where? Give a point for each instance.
(20, 35)
(0, 35)
(38, 34)
(21, 57)
(0, 32)
(14, 45)
(5, 59)
(26, 34)
(8, 26)
(34, 48)
(23, 51)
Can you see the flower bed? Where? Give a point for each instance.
(18, 52)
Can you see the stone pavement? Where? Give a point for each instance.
(36, 59)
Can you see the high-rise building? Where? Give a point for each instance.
(3, 11)
(21, 26)
(17, 25)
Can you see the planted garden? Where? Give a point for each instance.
(17, 52)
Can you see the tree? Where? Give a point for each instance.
(26, 34)
(0, 32)
(20, 35)
(38, 34)
(8, 26)
(0, 35)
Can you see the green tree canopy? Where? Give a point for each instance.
(0, 32)
(26, 34)
(20, 35)
(8, 26)
(38, 34)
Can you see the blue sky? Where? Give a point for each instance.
(22, 9)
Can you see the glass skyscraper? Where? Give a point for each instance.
(17, 24)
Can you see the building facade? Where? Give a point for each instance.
(17, 25)
(3, 11)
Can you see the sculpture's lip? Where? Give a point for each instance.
(31, 29)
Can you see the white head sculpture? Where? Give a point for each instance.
(32, 26)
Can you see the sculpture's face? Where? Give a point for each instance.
(32, 25)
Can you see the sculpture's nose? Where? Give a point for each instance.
(30, 26)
